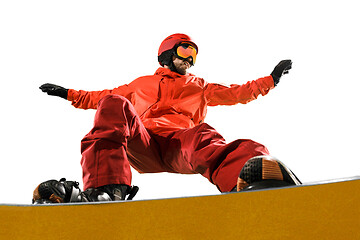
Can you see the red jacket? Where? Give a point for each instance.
(168, 101)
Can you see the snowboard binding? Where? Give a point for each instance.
(265, 172)
(62, 191)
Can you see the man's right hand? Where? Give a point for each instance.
(54, 90)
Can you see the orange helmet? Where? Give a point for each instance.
(171, 41)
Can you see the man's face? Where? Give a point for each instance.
(181, 65)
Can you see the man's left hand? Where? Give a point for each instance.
(282, 68)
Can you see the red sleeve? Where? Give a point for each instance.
(217, 94)
(89, 99)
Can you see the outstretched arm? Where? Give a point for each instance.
(82, 99)
(217, 94)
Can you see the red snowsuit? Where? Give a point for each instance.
(155, 123)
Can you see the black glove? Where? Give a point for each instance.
(282, 68)
(54, 90)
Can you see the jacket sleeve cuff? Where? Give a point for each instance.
(270, 82)
(72, 95)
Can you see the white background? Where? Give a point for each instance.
(310, 121)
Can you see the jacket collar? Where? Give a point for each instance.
(167, 72)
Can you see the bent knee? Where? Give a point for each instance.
(113, 99)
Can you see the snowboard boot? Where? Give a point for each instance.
(63, 191)
(265, 172)
(54, 191)
(112, 192)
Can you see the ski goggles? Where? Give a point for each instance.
(186, 52)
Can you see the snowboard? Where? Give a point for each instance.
(319, 210)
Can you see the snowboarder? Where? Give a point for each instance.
(156, 124)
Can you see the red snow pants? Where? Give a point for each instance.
(119, 139)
